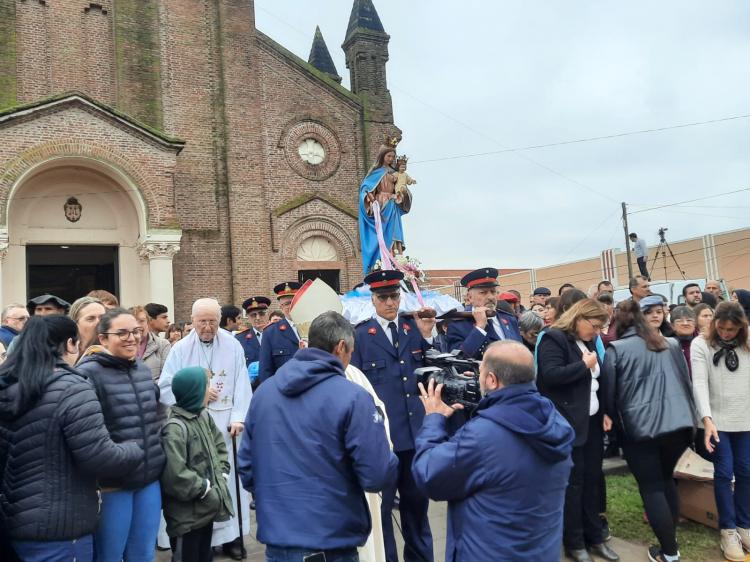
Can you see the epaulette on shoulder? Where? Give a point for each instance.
(362, 323)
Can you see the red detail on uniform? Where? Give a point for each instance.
(249, 336)
(388, 283)
(289, 293)
(282, 327)
(505, 321)
(372, 331)
(470, 284)
(407, 328)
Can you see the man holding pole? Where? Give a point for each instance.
(229, 399)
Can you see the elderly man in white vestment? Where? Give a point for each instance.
(229, 398)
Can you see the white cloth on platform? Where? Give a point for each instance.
(225, 358)
(374, 548)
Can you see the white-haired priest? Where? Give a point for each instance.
(229, 398)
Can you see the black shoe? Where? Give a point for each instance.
(656, 555)
(579, 555)
(235, 549)
(604, 551)
(606, 533)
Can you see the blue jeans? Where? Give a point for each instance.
(732, 457)
(128, 525)
(283, 554)
(81, 549)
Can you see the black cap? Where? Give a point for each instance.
(480, 278)
(384, 280)
(256, 303)
(542, 291)
(286, 289)
(44, 299)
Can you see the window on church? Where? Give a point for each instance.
(311, 151)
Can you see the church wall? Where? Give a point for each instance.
(76, 132)
(296, 105)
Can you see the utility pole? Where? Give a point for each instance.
(627, 239)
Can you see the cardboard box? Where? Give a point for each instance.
(692, 466)
(697, 502)
(695, 489)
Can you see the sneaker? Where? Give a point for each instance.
(744, 537)
(731, 545)
(656, 555)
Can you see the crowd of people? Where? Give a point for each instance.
(121, 432)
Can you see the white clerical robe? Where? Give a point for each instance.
(374, 548)
(225, 359)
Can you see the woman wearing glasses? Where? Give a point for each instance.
(647, 391)
(130, 505)
(567, 373)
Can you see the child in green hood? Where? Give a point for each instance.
(194, 482)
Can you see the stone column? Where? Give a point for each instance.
(159, 249)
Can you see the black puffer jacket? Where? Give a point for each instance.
(646, 393)
(129, 398)
(50, 458)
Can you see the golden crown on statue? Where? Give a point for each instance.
(403, 158)
(391, 141)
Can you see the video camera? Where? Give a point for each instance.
(448, 369)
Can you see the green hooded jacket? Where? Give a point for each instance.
(196, 452)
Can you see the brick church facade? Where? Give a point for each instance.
(168, 150)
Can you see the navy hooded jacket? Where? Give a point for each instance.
(504, 474)
(314, 442)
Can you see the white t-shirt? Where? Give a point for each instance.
(595, 371)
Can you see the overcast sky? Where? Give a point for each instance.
(485, 75)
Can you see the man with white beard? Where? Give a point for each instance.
(229, 398)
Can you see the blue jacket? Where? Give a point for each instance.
(391, 373)
(504, 475)
(463, 335)
(314, 442)
(6, 335)
(250, 345)
(279, 344)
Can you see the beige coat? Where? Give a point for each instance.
(374, 548)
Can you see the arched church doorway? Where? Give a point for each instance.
(317, 258)
(73, 226)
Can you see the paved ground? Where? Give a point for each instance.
(628, 552)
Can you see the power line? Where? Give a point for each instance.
(585, 139)
(522, 156)
(690, 200)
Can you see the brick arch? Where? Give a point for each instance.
(308, 227)
(33, 158)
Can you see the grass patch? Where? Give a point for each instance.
(625, 513)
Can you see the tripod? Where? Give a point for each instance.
(663, 248)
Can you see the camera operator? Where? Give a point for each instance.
(504, 473)
(389, 349)
(472, 336)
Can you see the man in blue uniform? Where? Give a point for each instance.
(472, 336)
(388, 349)
(257, 312)
(280, 340)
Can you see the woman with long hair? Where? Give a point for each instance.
(53, 446)
(704, 314)
(152, 348)
(129, 396)
(86, 313)
(377, 186)
(652, 308)
(646, 390)
(721, 386)
(567, 373)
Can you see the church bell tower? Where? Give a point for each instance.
(366, 49)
